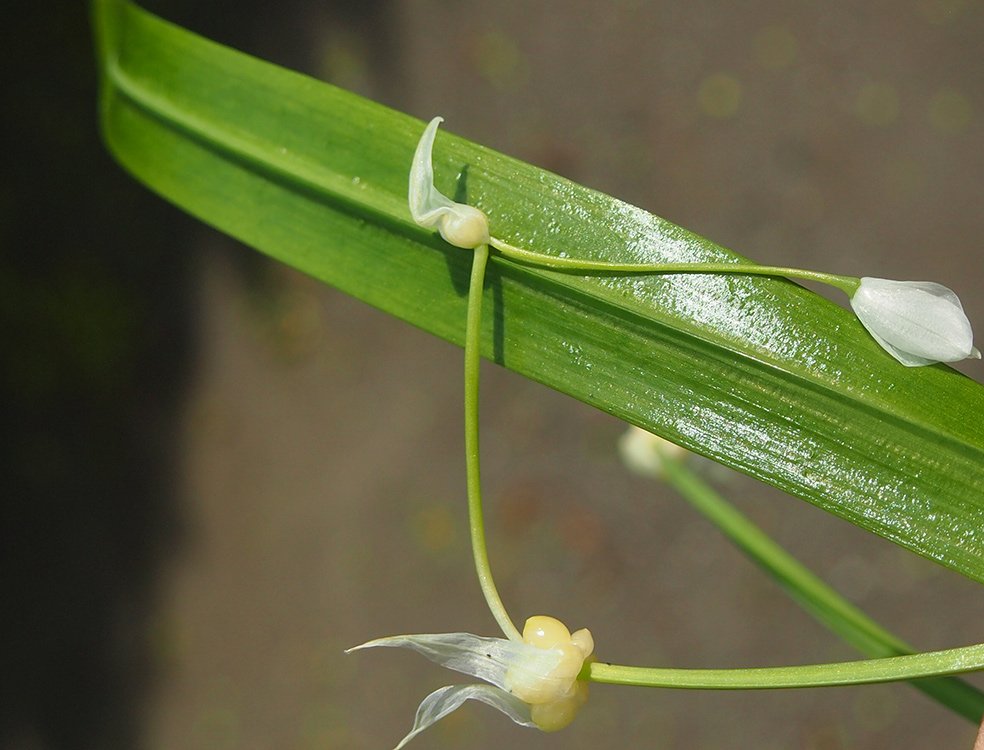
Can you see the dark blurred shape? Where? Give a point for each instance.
(298, 35)
(95, 291)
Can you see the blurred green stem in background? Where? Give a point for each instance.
(815, 596)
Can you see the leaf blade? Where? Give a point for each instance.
(759, 374)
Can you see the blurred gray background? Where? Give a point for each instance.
(225, 474)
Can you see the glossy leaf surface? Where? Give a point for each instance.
(757, 373)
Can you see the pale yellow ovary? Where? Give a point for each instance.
(555, 696)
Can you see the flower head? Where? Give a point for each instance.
(459, 224)
(645, 453)
(533, 681)
(917, 322)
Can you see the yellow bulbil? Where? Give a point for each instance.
(554, 696)
(549, 717)
(543, 631)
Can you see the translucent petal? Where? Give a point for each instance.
(917, 322)
(488, 659)
(441, 702)
(427, 205)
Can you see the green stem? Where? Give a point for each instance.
(476, 523)
(889, 669)
(847, 284)
(819, 599)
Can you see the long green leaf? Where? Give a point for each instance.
(757, 373)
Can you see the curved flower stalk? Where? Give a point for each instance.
(533, 681)
(917, 322)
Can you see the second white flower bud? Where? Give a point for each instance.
(917, 322)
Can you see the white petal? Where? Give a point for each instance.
(909, 360)
(441, 702)
(426, 203)
(488, 659)
(917, 322)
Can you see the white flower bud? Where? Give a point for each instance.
(642, 452)
(917, 322)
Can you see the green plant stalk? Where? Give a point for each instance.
(847, 284)
(822, 601)
(870, 671)
(476, 522)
